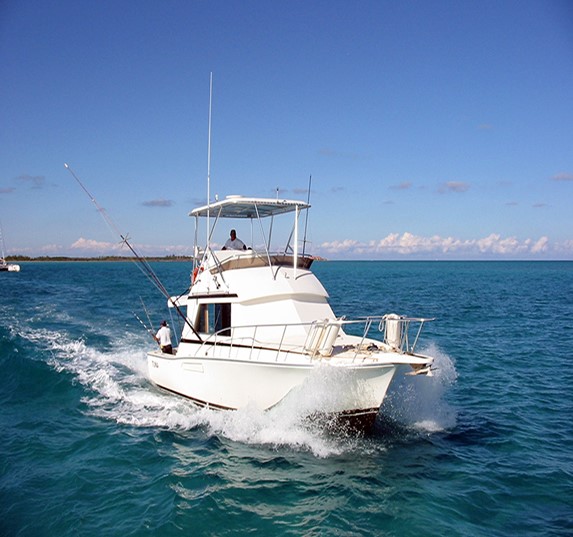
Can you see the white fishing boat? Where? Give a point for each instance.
(258, 324)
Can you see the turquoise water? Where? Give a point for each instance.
(485, 447)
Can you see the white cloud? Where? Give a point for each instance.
(566, 246)
(408, 244)
(494, 243)
(339, 246)
(51, 249)
(393, 246)
(540, 246)
(90, 245)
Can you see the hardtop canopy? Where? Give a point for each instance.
(242, 207)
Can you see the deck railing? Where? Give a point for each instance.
(397, 330)
(318, 339)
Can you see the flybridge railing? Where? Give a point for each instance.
(224, 260)
(318, 339)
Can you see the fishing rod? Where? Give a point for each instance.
(146, 313)
(142, 263)
(149, 317)
(149, 331)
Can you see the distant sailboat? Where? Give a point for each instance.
(4, 266)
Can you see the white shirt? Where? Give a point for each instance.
(236, 244)
(164, 336)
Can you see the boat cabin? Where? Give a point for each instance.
(254, 293)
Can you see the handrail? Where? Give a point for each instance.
(318, 341)
(223, 337)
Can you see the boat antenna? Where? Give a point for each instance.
(142, 263)
(306, 216)
(271, 226)
(209, 156)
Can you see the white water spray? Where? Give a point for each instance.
(419, 402)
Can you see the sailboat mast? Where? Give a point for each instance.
(3, 258)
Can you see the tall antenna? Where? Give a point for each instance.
(209, 156)
(306, 216)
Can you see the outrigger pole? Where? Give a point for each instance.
(144, 266)
(149, 330)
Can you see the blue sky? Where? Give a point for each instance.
(432, 130)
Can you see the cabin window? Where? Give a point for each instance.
(213, 318)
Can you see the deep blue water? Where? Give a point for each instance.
(485, 447)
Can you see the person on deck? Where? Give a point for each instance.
(163, 337)
(234, 243)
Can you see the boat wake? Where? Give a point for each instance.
(117, 388)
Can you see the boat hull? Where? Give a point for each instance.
(315, 387)
(9, 268)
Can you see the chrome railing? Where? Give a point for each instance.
(397, 330)
(317, 339)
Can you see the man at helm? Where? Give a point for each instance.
(234, 243)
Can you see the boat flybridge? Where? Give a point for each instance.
(258, 326)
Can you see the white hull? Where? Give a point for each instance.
(9, 267)
(234, 384)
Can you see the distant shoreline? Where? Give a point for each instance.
(24, 259)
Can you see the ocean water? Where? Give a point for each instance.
(485, 447)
